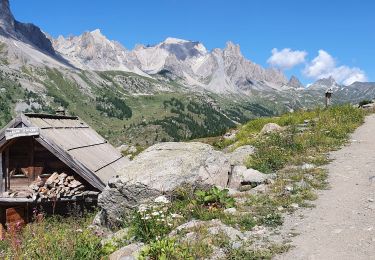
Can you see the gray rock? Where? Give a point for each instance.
(128, 252)
(288, 188)
(294, 205)
(115, 237)
(236, 244)
(230, 135)
(307, 166)
(238, 156)
(302, 185)
(158, 170)
(262, 188)
(271, 128)
(218, 253)
(214, 227)
(243, 176)
(230, 211)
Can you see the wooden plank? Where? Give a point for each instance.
(85, 146)
(12, 133)
(31, 168)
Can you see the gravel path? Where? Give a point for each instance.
(342, 225)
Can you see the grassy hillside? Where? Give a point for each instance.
(128, 108)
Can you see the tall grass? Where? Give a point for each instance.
(324, 130)
(53, 238)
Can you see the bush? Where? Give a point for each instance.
(215, 197)
(365, 102)
(165, 249)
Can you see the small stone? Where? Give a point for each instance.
(289, 188)
(236, 244)
(245, 188)
(307, 166)
(294, 206)
(230, 211)
(271, 128)
(302, 185)
(370, 200)
(281, 208)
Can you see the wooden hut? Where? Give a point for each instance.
(52, 159)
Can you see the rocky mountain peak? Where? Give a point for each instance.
(325, 83)
(232, 49)
(330, 81)
(7, 22)
(294, 82)
(25, 32)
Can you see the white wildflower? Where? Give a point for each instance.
(142, 208)
(162, 199)
(173, 215)
(155, 213)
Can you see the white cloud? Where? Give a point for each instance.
(324, 66)
(286, 58)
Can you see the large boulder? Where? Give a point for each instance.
(161, 169)
(239, 155)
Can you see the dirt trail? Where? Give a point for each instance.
(342, 225)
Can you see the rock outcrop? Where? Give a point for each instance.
(161, 169)
(271, 128)
(239, 155)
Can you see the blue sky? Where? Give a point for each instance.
(333, 37)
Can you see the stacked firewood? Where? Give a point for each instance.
(57, 186)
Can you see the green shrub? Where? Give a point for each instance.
(165, 249)
(215, 197)
(365, 102)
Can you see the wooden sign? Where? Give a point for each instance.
(12, 133)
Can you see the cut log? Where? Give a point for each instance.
(52, 179)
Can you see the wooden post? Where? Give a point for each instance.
(7, 177)
(31, 167)
(1, 174)
(328, 95)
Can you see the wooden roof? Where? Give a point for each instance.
(74, 143)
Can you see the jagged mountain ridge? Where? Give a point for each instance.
(221, 70)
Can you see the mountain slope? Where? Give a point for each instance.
(174, 90)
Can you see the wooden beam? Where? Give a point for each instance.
(31, 167)
(109, 163)
(85, 146)
(7, 177)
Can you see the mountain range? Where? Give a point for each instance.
(173, 90)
